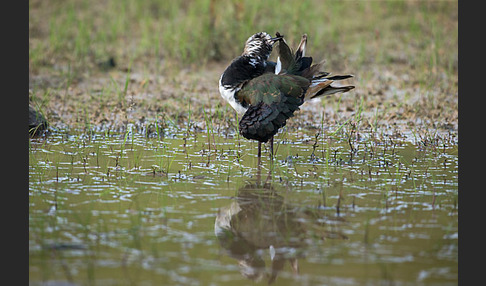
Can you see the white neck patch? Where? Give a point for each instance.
(229, 95)
(278, 68)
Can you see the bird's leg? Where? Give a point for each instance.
(259, 149)
(271, 147)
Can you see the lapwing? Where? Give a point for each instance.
(265, 94)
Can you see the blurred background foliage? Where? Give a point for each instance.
(157, 33)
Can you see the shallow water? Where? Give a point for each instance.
(197, 209)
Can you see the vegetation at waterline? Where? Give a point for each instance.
(106, 64)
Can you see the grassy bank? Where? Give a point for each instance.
(169, 55)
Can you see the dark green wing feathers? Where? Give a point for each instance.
(273, 99)
(270, 88)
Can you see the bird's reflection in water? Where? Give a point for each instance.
(259, 222)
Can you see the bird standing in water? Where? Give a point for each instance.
(265, 94)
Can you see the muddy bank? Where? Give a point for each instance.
(404, 56)
(391, 102)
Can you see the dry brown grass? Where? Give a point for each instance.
(404, 56)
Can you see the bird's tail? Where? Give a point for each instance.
(298, 64)
(322, 86)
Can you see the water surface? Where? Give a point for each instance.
(197, 209)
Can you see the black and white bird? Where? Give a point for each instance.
(265, 94)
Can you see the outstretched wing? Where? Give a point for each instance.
(272, 100)
(298, 64)
(289, 62)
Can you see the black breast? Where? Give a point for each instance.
(241, 70)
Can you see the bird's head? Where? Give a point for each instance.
(260, 45)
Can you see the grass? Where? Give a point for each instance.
(169, 53)
(206, 30)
